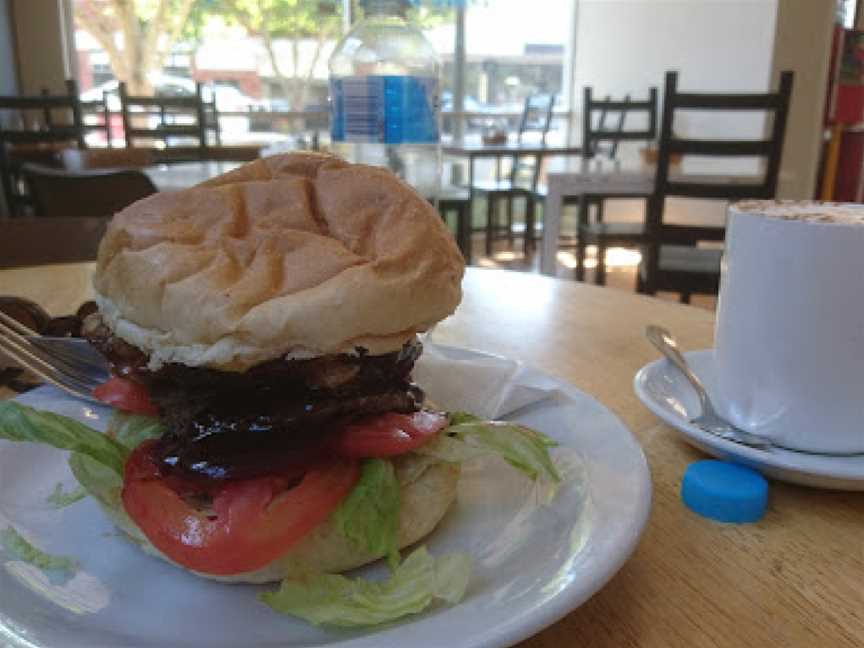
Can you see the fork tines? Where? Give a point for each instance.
(49, 366)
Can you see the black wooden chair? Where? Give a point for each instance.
(598, 139)
(523, 175)
(97, 118)
(457, 201)
(185, 122)
(84, 194)
(73, 159)
(34, 129)
(595, 132)
(33, 241)
(672, 260)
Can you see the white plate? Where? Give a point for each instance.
(663, 390)
(532, 564)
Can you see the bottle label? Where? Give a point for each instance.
(384, 109)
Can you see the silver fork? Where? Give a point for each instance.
(709, 420)
(70, 364)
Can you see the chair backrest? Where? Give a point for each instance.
(595, 130)
(36, 241)
(770, 150)
(106, 158)
(97, 117)
(536, 116)
(211, 117)
(84, 194)
(168, 119)
(31, 130)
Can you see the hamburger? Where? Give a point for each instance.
(261, 329)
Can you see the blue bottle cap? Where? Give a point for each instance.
(724, 491)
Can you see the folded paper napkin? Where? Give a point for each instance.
(488, 386)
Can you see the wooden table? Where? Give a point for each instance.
(793, 580)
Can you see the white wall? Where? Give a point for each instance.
(626, 46)
(802, 43)
(39, 36)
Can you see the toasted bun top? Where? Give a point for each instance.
(295, 255)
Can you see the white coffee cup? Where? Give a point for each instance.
(789, 340)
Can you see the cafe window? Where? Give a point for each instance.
(267, 70)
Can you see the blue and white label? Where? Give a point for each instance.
(384, 109)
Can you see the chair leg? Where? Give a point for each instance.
(650, 262)
(684, 298)
(464, 228)
(580, 259)
(581, 222)
(600, 271)
(490, 224)
(510, 220)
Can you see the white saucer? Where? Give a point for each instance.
(666, 392)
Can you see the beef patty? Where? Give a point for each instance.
(279, 414)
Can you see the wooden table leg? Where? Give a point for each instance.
(463, 229)
(551, 228)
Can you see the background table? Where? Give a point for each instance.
(182, 175)
(475, 150)
(794, 580)
(611, 179)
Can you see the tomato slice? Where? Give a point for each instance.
(388, 435)
(253, 521)
(126, 395)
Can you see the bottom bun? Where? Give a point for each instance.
(424, 501)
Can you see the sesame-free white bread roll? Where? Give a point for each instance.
(295, 255)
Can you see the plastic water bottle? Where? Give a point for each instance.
(384, 98)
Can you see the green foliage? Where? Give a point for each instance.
(281, 18)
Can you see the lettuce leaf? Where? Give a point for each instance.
(61, 499)
(523, 448)
(369, 515)
(457, 418)
(130, 430)
(21, 423)
(340, 601)
(97, 479)
(18, 545)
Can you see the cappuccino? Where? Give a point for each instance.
(804, 210)
(789, 341)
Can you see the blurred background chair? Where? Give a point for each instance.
(599, 139)
(457, 201)
(596, 133)
(73, 159)
(32, 241)
(61, 194)
(96, 115)
(169, 121)
(34, 129)
(523, 174)
(672, 259)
